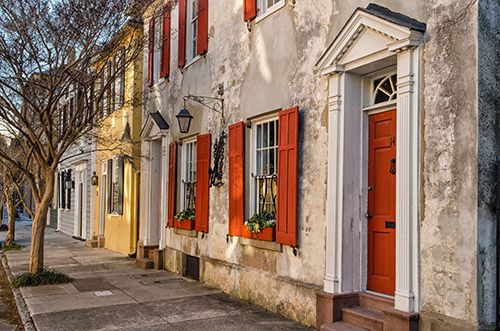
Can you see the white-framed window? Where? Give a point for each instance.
(119, 82)
(191, 28)
(115, 190)
(264, 165)
(384, 89)
(188, 175)
(157, 47)
(267, 7)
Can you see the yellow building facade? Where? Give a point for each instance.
(118, 144)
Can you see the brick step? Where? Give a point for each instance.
(91, 243)
(151, 254)
(340, 326)
(364, 318)
(144, 263)
(375, 302)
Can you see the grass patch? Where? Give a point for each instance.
(42, 277)
(11, 247)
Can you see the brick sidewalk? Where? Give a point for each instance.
(109, 293)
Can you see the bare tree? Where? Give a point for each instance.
(48, 49)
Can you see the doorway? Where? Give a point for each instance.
(103, 192)
(155, 177)
(381, 215)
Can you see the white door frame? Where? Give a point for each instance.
(102, 204)
(80, 200)
(368, 43)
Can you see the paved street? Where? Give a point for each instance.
(109, 293)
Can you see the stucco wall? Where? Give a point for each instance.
(269, 68)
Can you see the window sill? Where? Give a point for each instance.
(274, 8)
(187, 233)
(192, 61)
(267, 245)
(115, 215)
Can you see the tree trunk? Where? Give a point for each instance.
(40, 222)
(11, 211)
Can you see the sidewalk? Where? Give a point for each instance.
(109, 293)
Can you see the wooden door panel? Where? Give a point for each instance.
(381, 203)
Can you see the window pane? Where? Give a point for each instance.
(259, 163)
(271, 134)
(259, 133)
(265, 162)
(271, 161)
(265, 134)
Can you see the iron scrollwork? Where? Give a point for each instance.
(267, 195)
(216, 171)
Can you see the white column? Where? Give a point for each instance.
(333, 279)
(407, 165)
(148, 194)
(164, 172)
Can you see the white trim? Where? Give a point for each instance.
(103, 192)
(381, 107)
(347, 90)
(192, 61)
(253, 162)
(269, 11)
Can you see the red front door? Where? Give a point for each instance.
(381, 215)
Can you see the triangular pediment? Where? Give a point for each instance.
(154, 126)
(369, 31)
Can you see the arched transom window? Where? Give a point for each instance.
(384, 89)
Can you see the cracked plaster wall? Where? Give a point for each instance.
(272, 67)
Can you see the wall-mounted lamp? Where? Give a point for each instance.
(94, 179)
(216, 104)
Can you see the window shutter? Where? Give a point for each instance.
(182, 33)
(250, 9)
(202, 33)
(286, 218)
(202, 182)
(120, 185)
(165, 46)
(151, 50)
(172, 181)
(68, 194)
(236, 152)
(109, 190)
(62, 175)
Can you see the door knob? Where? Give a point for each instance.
(370, 187)
(368, 215)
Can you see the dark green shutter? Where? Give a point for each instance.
(63, 189)
(110, 184)
(120, 185)
(68, 178)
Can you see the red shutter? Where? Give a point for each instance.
(172, 181)
(165, 45)
(182, 33)
(151, 48)
(286, 218)
(202, 182)
(202, 33)
(236, 152)
(250, 9)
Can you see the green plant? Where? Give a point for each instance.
(41, 277)
(260, 221)
(187, 214)
(10, 247)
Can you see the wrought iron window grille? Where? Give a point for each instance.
(266, 192)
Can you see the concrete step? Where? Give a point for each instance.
(91, 243)
(364, 318)
(144, 263)
(340, 326)
(375, 302)
(151, 254)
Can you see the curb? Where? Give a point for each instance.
(21, 305)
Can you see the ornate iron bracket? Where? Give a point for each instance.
(216, 171)
(215, 104)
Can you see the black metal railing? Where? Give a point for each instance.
(267, 186)
(190, 190)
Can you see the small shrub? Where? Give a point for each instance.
(11, 247)
(42, 277)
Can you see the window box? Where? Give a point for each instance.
(267, 234)
(184, 224)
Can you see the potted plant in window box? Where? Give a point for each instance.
(261, 226)
(185, 219)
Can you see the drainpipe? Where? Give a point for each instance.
(498, 248)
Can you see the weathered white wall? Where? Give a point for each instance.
(272, 67)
